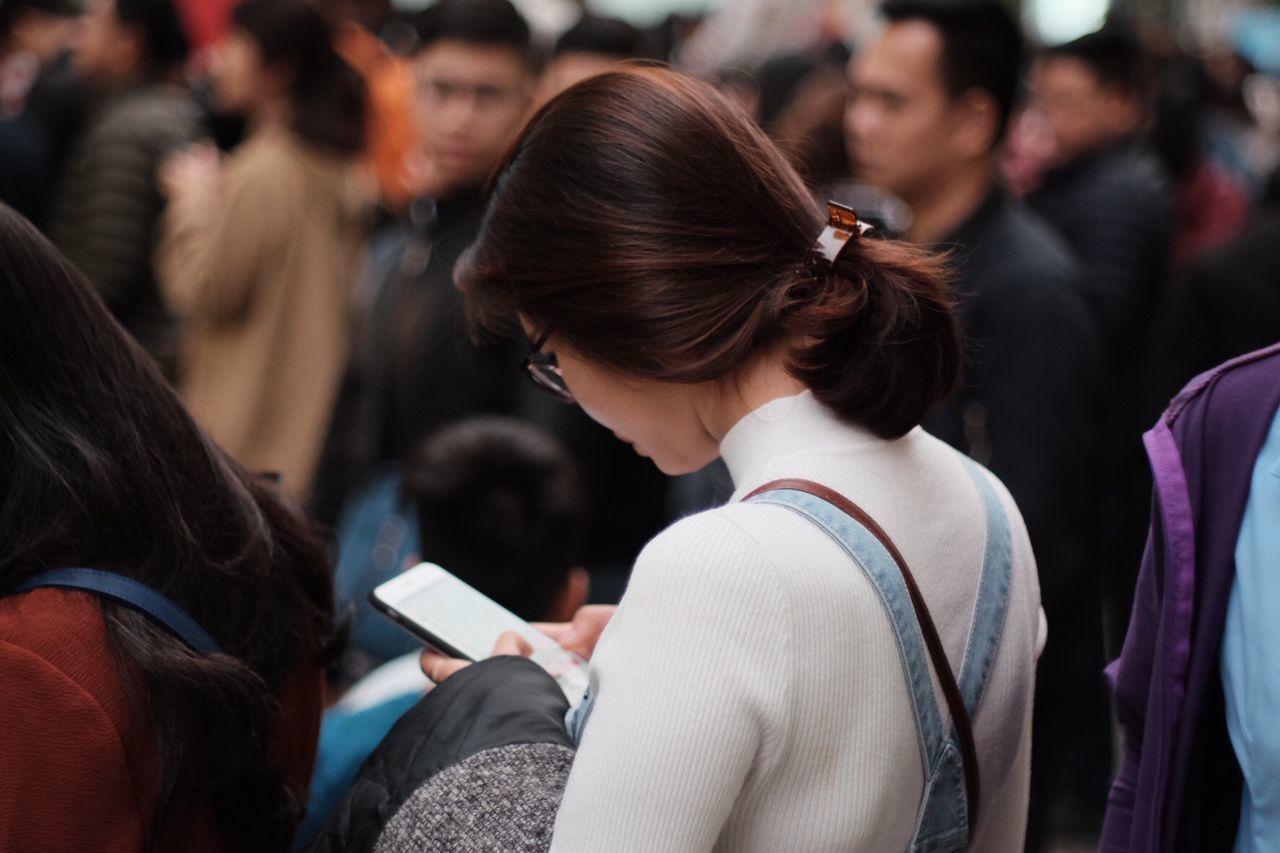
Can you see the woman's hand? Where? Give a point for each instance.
(581, 635)
(193, 171)
(437, 666)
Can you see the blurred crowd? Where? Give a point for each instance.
(271, 197)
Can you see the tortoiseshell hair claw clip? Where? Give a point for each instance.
(842, 224)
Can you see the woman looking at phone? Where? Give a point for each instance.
(767, 682)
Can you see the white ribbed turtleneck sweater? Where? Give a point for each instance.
(750, 694)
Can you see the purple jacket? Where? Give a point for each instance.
(1178, 788)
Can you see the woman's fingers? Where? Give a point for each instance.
(511, 643)
(438, 667)
(555, 630)
(581, 635)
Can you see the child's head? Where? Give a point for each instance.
(502, 506)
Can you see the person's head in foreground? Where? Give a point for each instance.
(501, 505)
(659, 251)
(104, 469)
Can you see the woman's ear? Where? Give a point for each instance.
(577, 585)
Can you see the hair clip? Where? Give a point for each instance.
(842, 224)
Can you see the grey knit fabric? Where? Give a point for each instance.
(502, 800)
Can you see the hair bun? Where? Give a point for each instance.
(886, 345)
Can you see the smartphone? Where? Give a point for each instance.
(463, 623)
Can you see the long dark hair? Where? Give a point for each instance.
(328, 96)
(104, 468)
(655, 229)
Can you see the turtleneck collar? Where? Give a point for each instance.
(780, 428)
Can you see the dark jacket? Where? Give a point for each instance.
(34, 142)
(480, 764)
(413, 367)
(105, 215)
(1028, 405)
(1228, 304)
(1114, 209)
(24, 167)
(1178, 787)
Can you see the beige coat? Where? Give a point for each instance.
(262, 272)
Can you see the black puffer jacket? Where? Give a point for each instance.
(479, 764)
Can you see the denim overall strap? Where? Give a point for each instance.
(943, 818)
(575, 719)
(881, 569)
(987, 624)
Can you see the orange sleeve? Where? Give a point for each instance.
(66, 784)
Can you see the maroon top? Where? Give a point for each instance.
(79, 756)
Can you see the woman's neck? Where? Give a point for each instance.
(767, 379)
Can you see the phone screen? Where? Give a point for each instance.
(462, 621)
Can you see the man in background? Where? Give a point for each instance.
(413, 367)
(1104, 192)
(931, 100)
(104, 217)
(1106, 195)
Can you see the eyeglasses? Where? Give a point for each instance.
(544, 371)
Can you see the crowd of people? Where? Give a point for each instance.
(273, 284)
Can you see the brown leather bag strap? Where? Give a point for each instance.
(947, 679)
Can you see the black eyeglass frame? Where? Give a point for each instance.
(543, 370)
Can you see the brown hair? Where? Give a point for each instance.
(655, 229)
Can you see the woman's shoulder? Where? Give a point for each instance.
(54, 623)
(736, 526)
(59, 639)
(738, 550)
(75, 751)
(289, 179)
(269, 156)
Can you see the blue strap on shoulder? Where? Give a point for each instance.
(135, 594)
